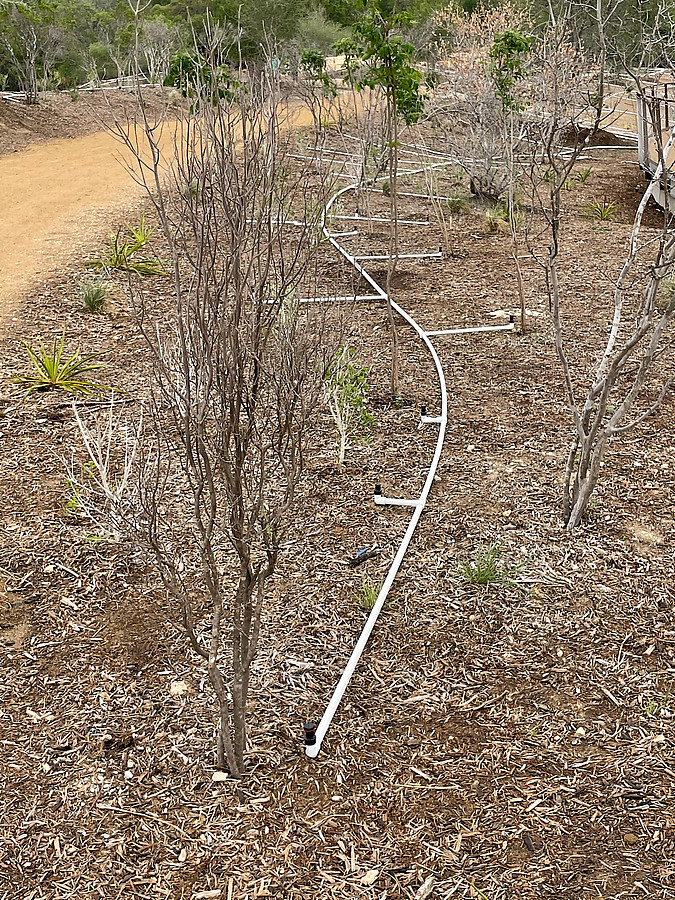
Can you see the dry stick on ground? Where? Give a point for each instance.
(237, 371)
(639, 324)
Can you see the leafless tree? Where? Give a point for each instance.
(158, 40)
(238, 365)
(612, 400)
(465, 106)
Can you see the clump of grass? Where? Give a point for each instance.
(582, 176)
(367, 595)
(94, 293)
(456, 205)
(486, 566)
(53, 371)
(603, 210)
(496, 219)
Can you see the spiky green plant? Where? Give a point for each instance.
(54, 371)
(122, 248)
(603, 210)
(582, 175)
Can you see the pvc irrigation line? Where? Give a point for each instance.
(318, 734)
(479, 329)
(312, 750)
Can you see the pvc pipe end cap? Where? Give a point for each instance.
(310, 734)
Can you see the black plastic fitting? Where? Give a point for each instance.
(378, 490)
(423, 411)
(310, 734)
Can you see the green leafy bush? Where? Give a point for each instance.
(345, 387)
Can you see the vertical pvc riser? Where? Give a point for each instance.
(312, 750)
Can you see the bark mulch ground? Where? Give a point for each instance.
(508, 741)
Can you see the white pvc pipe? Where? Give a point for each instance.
(438, 254)
(394, 501)
(358, 218)
(312, 750)
(477, 330)
(421, 196)
(357, 298)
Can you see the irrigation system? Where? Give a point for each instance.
(315, 733)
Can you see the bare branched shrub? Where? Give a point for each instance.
(466, 107)
(237, 365)
(622, 386)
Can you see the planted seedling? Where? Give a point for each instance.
(53, 371)
(122, 249)
(486, 567)
(367, 596)
(604, 211)
(345, 387)
(94, 292)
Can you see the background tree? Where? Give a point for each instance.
(379, 58)
(624, 384)
(507, 59)
(30, 35)
(317, 89)
(466, 107)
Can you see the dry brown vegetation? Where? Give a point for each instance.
(510, 741)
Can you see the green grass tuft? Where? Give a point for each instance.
(486, 567)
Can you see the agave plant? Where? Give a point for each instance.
(603, 211)
(122, 249)
(54, 371)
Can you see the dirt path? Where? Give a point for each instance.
(56, 197)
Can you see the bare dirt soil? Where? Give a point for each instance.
(57, 193)
(514, 741)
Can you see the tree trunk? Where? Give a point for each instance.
(225, 754)
(392, 131)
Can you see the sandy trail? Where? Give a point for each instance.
(58, 198)
(55, 198)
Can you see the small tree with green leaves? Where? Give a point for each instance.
(345, 387)
(379, 58)
(316, 88)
